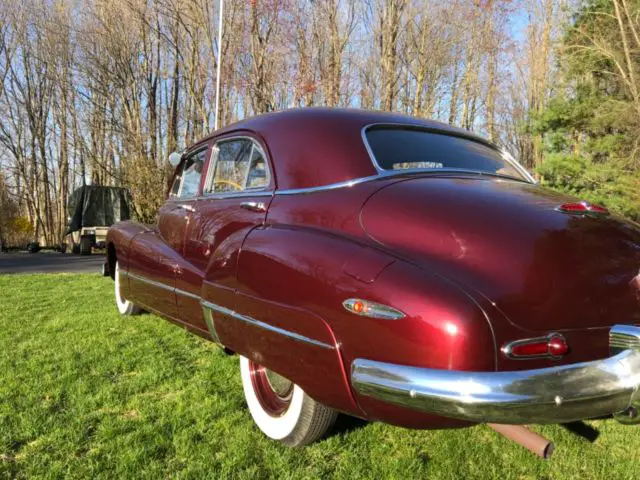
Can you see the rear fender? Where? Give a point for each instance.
(276, 321)
(294, 280)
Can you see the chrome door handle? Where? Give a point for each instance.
(254, 206)
(189, 208)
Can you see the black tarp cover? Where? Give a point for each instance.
(97, 206)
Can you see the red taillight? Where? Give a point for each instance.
(551, 346)
(598, 209)
(558, 346)
(583, 208)
(573, 207)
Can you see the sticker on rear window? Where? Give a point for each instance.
(407, 165)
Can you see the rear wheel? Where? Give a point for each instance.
(281, 409)
(125, 307)
(85, 245)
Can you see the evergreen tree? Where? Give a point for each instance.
(591, 128)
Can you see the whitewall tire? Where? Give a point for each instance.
(281, 409)
(125, 307)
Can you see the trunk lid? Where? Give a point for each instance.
(544, 269)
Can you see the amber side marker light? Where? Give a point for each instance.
(366, 308)
(552, 346)
(582, 208)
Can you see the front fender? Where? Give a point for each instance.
(119, 237)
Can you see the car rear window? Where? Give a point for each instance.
(409, 148)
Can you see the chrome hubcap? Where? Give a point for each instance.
(280, 385)
(273, 391)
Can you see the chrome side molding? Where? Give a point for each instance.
(212, 307)
(161, 285)
(148, 281)
(208, 309)
(208, 318)
(550, 395)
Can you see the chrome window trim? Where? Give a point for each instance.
(246, 176)
(331, 186)
(382, 175)
(244, 193)
(210, 169)
(505, 155)
(213, 163)
(518, 165)
(177, 195)
(265, 326)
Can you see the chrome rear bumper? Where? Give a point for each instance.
(549, 395)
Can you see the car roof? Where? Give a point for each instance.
(312, 147)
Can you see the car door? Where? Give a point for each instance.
(158, 254)
(175, 214)
(236, 197)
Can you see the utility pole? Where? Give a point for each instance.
(217, 112)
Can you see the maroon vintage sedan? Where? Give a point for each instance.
(391, 268)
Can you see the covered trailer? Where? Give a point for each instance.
(92, 210)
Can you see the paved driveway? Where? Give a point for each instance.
(49, 262)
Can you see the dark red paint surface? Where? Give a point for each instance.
(474, 262)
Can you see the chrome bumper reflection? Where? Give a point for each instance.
(550, 395)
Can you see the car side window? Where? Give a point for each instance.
(240, 164)
(187, 179)
(258, 176)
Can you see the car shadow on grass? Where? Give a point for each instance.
(583, 430)
(346, 424)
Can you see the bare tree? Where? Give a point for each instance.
(101, 91)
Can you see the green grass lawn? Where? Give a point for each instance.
(85, 393)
